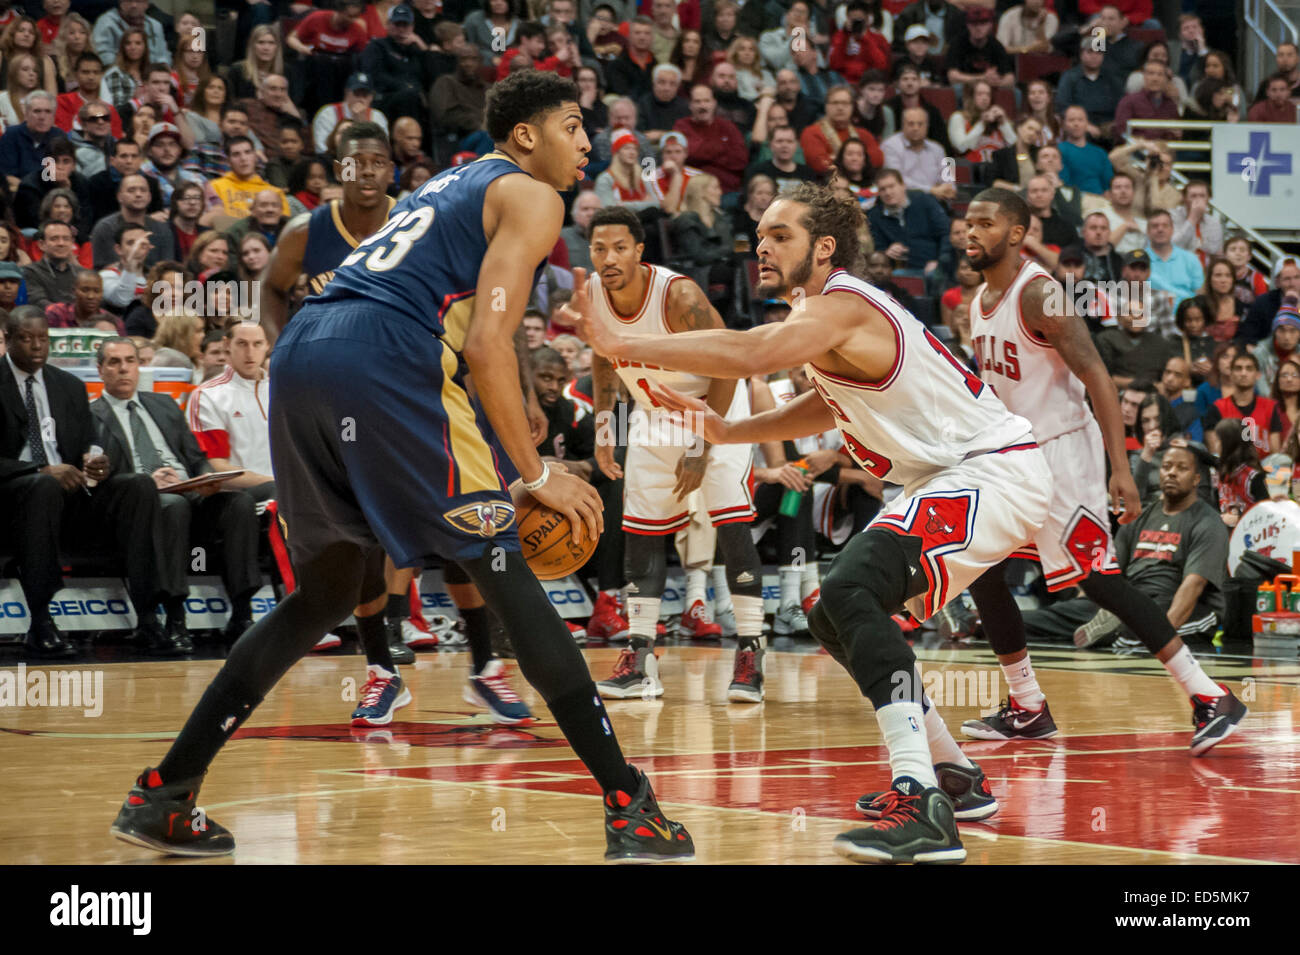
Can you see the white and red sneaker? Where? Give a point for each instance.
(417, 637)
(607, 620)
(578, 633)
(696, 625)
(810, 601)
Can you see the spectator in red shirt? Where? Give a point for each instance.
(53, 19)
(1153, 101)
(530, 39)
(822, 140)
(714, 145)
(1276, 107)
(331, 31)
(89, 71)
(858, 48)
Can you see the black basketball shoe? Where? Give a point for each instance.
(636, 831)
(1012, 721)
(972, 800)
(164, 818)
(916, 825)
(1215, 718)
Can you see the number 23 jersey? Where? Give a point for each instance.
(929, 413)
(423, 265)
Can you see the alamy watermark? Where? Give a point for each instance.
(53, 688)
(654, 428)
(980, 687)
(230, 299)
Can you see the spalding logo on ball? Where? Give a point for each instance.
(546, 537)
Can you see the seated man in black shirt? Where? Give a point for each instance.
(569, 440)
(1176, 552)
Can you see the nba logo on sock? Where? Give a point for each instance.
(911, 721)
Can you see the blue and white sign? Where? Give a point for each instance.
(1256, 178)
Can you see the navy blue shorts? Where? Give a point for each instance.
(375, 441)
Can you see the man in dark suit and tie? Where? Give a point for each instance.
(147, 433)
(46, 473)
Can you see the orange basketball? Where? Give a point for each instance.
(547, 538)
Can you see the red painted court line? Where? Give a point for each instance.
(1074, 789)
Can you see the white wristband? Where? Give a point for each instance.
(534, 485)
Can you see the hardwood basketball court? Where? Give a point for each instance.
(769, 783)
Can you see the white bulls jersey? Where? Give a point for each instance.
(1027, 373)
(650, 319)
(929, 413)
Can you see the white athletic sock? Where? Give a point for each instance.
(790, 578)
(642, 615)
(1023, 684)
(909, 751)
(943, 748)
(721, 590)
(696, 584)
(1187, 672)
(749, 617)
(810, 579)
(374, 669)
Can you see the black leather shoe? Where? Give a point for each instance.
(153, 639)
(235, 629)
(179, 634)
(45, 642)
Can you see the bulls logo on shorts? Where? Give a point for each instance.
(1087, 542)
(942, 520)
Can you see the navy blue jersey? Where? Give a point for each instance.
(328, 243)
(423, 265)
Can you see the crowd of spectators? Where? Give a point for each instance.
(140, 158)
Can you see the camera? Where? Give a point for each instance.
(857, 25)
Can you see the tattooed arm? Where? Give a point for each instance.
(604, 384)
(687, 309)
(1052, 317)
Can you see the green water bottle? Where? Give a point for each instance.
(792, 499)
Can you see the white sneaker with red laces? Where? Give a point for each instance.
(491, 689)
(382, 696)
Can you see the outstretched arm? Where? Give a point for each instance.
(717, 353)
(1053, 317)
(803, 416)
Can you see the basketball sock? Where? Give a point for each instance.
(1023, 684)
(221, 710)
(791, 577)
(478, 633)
(749, 618)
(642, 615)
(810, 579)
(399, 607)
(582, 718)
(1187, 673)
(374, 641)
(721, 590)
(909, 750)
(696, 581)
(943, 748)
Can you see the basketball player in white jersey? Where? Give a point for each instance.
(664, 463)
(975, 485)
(1037, 355)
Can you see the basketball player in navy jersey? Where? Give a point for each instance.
(315, 243)
(375, 443)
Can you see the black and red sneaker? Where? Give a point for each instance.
(636, 831)
(972, 799)
(916, 825)
(1215, 718)
(1012, 721)
(163, 817)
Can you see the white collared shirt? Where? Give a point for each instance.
(49, 438)
(123, 415)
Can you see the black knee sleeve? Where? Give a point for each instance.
(646, 565)
(1138, 612)
(870, 580)
(544, 649)
(820, 626)
(740, 556)
(999, 613)
(454, 574)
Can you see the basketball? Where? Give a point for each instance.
(547, 539)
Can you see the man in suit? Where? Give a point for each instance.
(46, 470)
(146, 433)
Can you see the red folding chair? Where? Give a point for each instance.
(1143, 37)
(910, 284)
(943, 99)
(1034, 66)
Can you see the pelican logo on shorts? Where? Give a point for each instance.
(484, 518)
